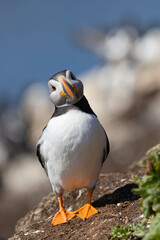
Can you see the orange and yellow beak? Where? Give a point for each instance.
(68, 88)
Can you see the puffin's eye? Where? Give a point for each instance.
(73, 76)
(53, 88)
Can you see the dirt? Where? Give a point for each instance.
(112, 197)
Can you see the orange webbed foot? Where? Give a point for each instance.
(86, 211)
(63, 216)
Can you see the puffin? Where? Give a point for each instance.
(73, 146)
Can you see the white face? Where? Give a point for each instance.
(55, 92)
(65, 89)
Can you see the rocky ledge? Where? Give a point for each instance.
(113, 198)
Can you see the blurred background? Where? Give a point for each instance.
(112, 46)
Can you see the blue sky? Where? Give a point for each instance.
(36, 35)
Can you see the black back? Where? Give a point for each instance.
(84, 106)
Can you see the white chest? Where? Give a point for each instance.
(73, 146)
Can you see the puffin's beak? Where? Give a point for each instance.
(68, 88)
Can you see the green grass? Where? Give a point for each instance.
(149, 190)
(128, 232)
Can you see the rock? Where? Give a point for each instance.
(112, 45)
(24, 183)
(113, 198)
(36, 109)
(25, 177)
(146, 49)
(124, 90)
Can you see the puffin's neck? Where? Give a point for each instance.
(84, 106)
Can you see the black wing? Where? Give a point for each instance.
(106, 149)
(39, 156)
